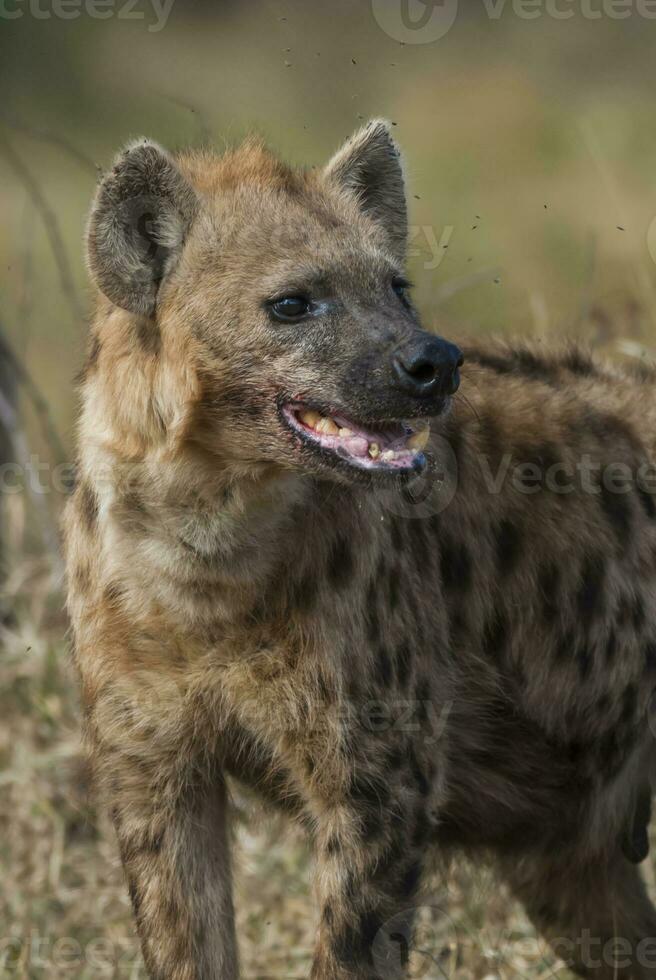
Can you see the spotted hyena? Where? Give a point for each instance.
(415, 637)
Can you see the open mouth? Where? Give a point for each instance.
(393, 446)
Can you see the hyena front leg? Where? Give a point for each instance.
(595, 913)
(170, 812)
(369, 866)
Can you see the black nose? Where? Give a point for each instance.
(427, 367)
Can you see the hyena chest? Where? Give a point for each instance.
(357, 705)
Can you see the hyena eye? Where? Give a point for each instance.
(401, 287)
(290, 307)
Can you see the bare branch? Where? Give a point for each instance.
(50, 222)
(204, 130)
(56, 139)
(40, 404)
(454, 286)
(21, 452)
(26, 284)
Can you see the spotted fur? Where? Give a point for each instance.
(469, 672)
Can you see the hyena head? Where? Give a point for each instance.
(281, 295)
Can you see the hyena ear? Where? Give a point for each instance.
(369, 166)
(139, 220)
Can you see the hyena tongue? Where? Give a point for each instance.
(356, 445)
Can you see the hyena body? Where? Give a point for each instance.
(254, 594)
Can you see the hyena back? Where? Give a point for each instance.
(410, 648)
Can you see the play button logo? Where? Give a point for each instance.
(415, 21)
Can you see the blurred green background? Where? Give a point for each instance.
(530, 145)
(527, 143)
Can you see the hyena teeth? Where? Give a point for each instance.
(388, 456)
(345, 433)
(327, 427)
(310, 418)
(419, 440)
(374, 450)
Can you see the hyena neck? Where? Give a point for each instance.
(235, 551)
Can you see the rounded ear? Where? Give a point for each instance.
(369, 166)
(139, 221)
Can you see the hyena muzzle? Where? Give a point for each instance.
(419, 620)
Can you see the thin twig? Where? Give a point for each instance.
(454, 286)
(204, 130)
(46, 136)
(38, 401)
(26, 296)
(21, 451)
(50, 223)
